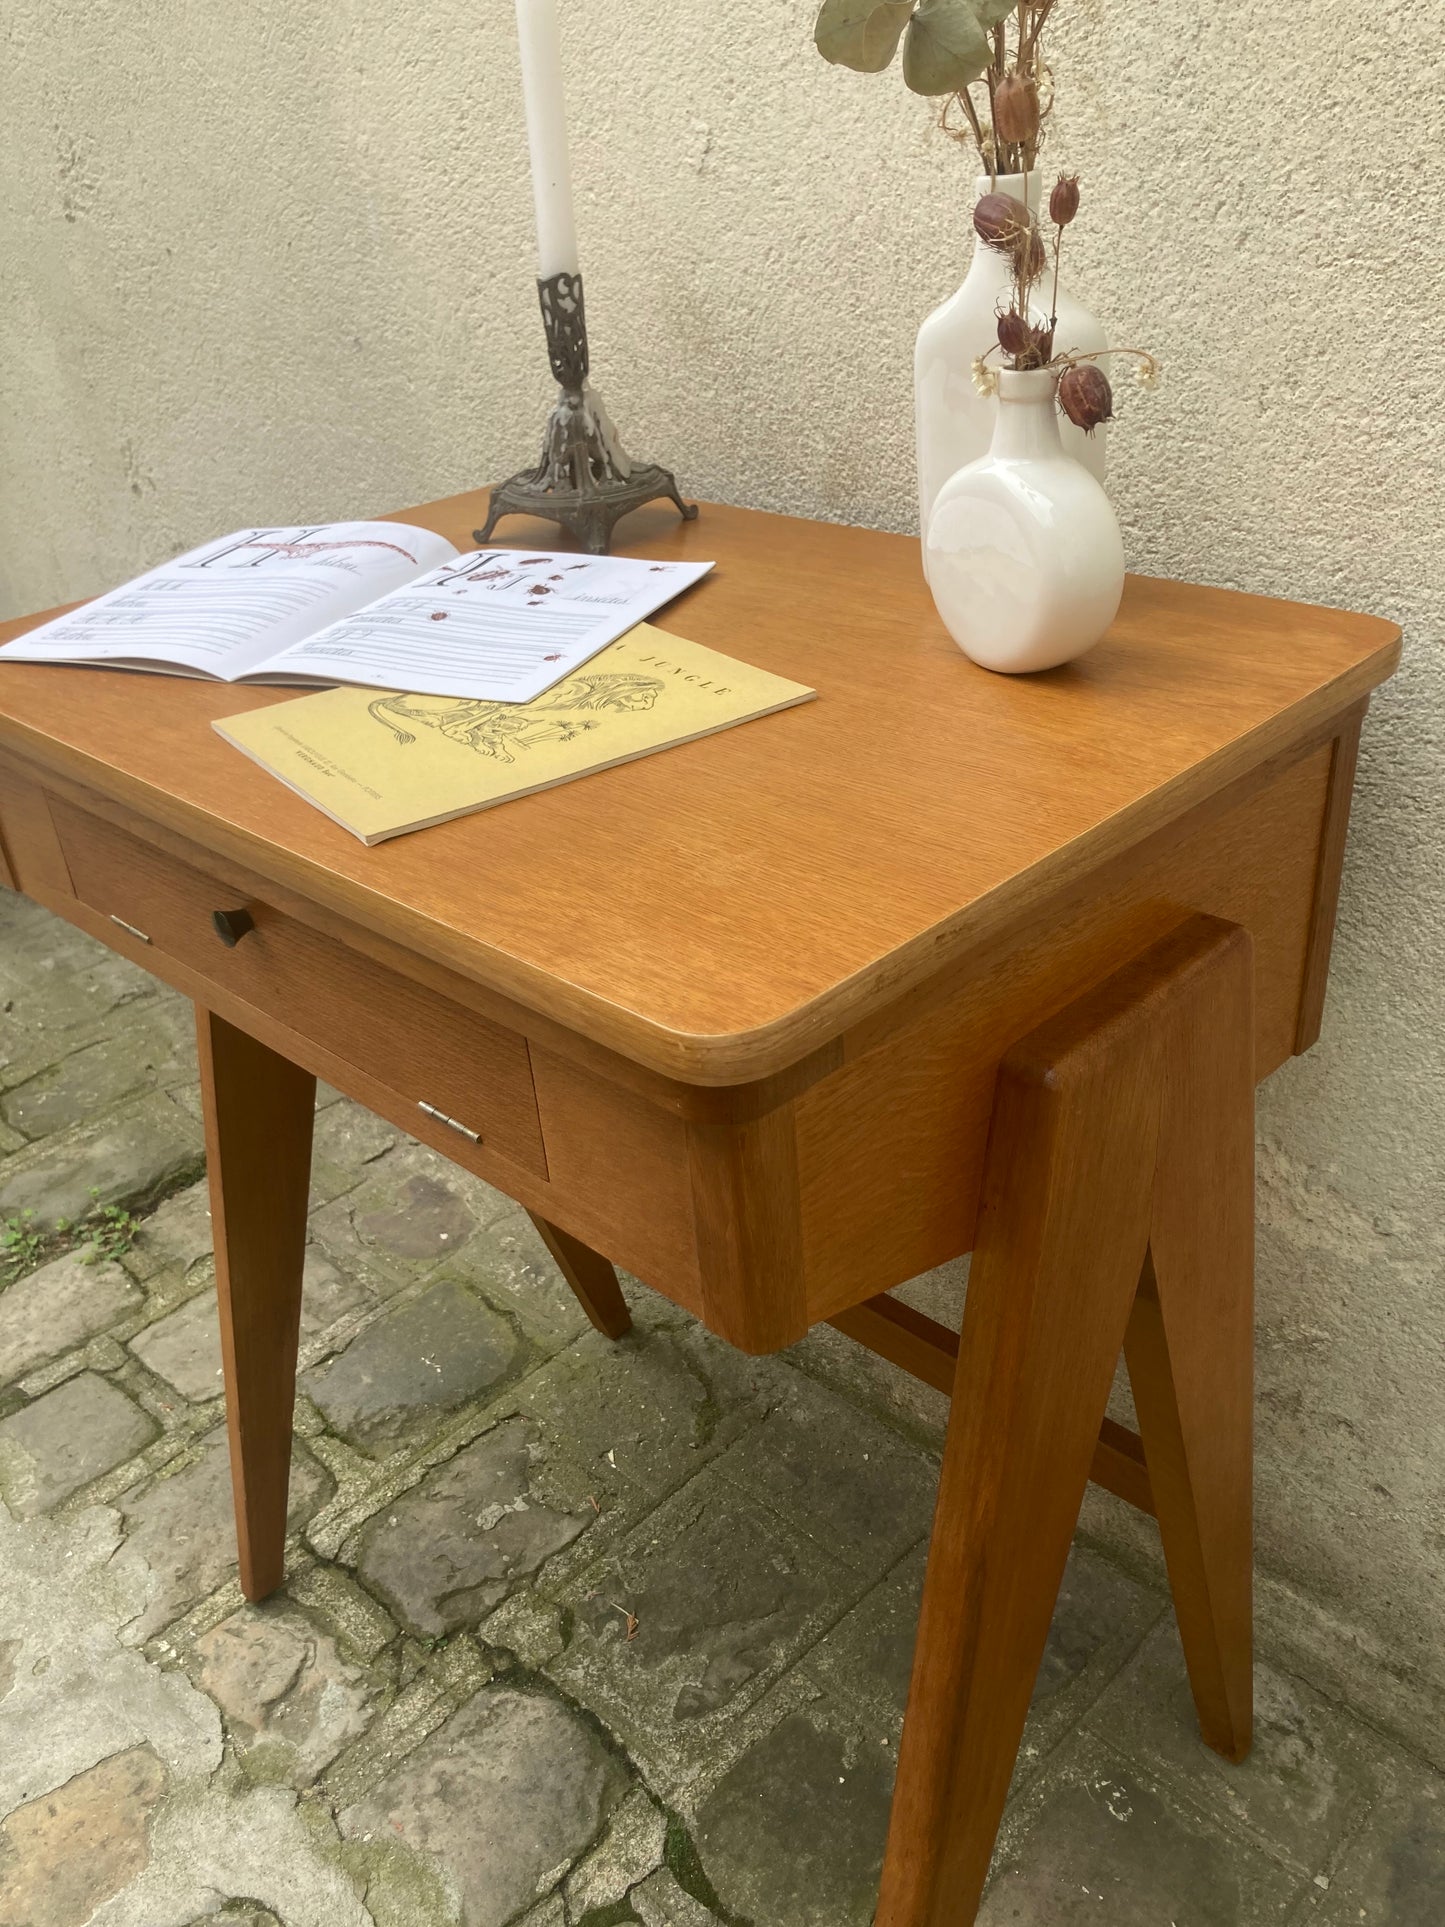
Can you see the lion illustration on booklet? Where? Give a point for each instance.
(496, 729)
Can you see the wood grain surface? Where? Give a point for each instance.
(258, 1111)
(719, 911)
(891, 1147)
(1122, 1121)
(422, 1046)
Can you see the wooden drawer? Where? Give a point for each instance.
(432, 1052)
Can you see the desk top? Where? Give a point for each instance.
(720, 910)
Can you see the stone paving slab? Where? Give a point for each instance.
(184, 1347)
(851, 1485)
(64, 1855)
(432, 1681)
(346, 1138)
(508, 1263)
(1095, 1839)
(177, 1235)
(444, 1554)
(76, 1693)
(504, 1799)
(410, 1212)
(651, 1408)
(222, 1838)
(99, 1354)
(681, 1626)
(1312, 1775)
(331, 1598)
(629, 1851)
(1392, 1874)
(147, 1054)
(425, 1357)
(126, 1156)
(292, 1700)
(871, 1384)
(242, 1913)
(1101, 1617)
(58, 1307)
(551, 1912)
(60, 991)
(79, 1698)
(182, 1527)
(794, 1830)
(52, 1448)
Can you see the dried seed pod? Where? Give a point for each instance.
(1064, 201)
(1002, 221)
(1016, 110)
(1033, 258)
(1015, 336)
(1028, 344)
(1085, 396)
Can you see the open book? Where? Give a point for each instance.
(377, 603)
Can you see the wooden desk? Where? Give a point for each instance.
(944, 961)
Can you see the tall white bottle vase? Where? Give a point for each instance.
(955, 423)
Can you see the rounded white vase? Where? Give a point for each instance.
(1023, 552)
(955, 422)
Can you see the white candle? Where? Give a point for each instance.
(540, 39)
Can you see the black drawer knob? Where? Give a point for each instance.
(231, 925)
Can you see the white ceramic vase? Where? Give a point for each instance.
(1023, 552)
(955, 422)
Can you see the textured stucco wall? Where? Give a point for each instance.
(275, 261)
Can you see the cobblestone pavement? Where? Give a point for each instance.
(574, 1633)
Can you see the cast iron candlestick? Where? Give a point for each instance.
(584, 480)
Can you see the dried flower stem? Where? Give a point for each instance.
(965, 100)
(1027, 46)
(1141, 355)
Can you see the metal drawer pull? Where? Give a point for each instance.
(231, 925)
(452, 1124)
(130, 928)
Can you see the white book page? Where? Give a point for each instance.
(500, 625)
(223, 609)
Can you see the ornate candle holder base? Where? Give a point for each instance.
(589, 512)
(584, 481)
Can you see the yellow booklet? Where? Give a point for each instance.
(381, 764)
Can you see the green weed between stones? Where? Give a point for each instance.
(21, 1246)
(106, 1231)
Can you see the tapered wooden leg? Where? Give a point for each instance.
(592, 1278)
(1065, 1220)
(258, 1112)
(1190, 1348)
